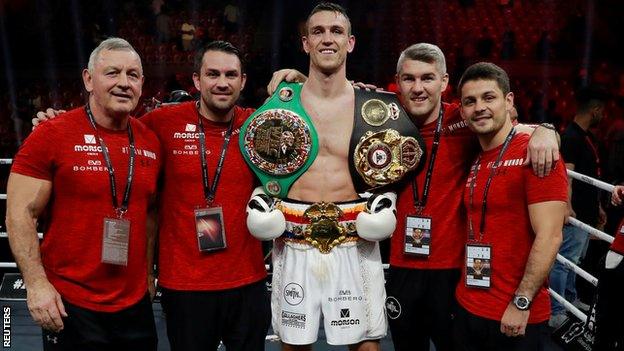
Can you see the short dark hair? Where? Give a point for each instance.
(331, 7)
(591, 96)
(485, 71)
(217, 45)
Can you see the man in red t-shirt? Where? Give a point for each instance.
(210, 268)
(515, 221)
(213, 289)
(422, 280)
(94, 170)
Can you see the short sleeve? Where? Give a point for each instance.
(36, 157)
(553, 187)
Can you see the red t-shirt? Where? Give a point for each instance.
(508, 228)
(65, 152)
(618, 242)
(458, 146)
(181, 265)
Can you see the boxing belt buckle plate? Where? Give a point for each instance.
(324, 231)
(383, 157)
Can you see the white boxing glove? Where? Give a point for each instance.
(379, 220)
(263, 220)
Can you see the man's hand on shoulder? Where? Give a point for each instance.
(285, 75)
(43, 116)
(362, 85)
(543, 151)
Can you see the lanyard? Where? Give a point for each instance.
(595, 151)
(210, 191)
(475, 170)
(111, 172)
(420, 203)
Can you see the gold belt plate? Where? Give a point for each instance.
(384, 157)
(324, 231)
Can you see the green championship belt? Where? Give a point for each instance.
(279, 141)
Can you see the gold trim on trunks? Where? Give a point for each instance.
(348, 239)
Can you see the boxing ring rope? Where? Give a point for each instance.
(5, 235)
(591, 181)
(591, 230)
(567, 263)
(6, 161)
(570, 307)
(578, 270)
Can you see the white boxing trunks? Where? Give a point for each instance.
(343, 284)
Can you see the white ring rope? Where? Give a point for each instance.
(578, 270)
(6, 235)
(591, 181)
(570, 307)
(591, 230)
(6, 161)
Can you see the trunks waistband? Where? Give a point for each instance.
(322, 225)
(294, 210)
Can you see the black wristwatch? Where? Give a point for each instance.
(522, 302)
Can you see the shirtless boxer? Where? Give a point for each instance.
(341, 280)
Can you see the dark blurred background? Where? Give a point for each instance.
(549, 47)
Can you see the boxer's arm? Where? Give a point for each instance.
(27, 197)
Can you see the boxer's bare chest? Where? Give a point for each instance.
(334, 123)
(328, 178)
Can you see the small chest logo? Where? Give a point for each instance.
(89, 139)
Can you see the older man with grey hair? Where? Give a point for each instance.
(94, 171)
